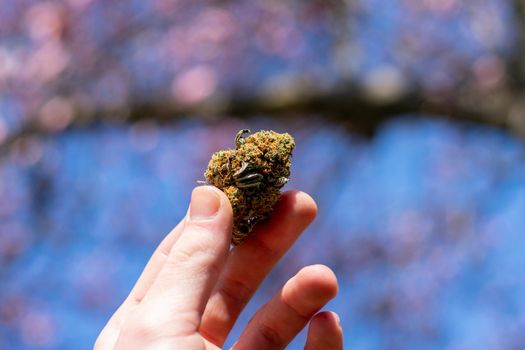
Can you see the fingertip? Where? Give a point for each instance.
(209, 205)
(326, 320)
(310, 289)
(299, 203)
(335, 317)
(325, 332)
(205, 203)
(207, 228)
(320, 278)
(290, 217)
(223, 199)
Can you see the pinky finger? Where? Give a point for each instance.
(324, 332)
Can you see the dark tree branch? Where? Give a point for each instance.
(502, 107)
(356, 109)
(517, 62)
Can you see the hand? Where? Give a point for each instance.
(194, 287)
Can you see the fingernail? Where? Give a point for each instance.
(205, 203)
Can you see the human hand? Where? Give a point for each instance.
(194, 287)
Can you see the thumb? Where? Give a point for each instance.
(179, 295)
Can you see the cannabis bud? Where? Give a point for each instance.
(251, 176)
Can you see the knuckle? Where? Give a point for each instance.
(271, 336)
(236, 290)
(201, 259)
(203, 240)
(203, 252)
(303, 315)
(139, 330)
(188, 256)
(148, 328)
(141, 327)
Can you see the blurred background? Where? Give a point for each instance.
(409, 120)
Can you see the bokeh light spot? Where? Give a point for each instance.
(194, 85)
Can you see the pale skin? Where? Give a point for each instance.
(194, 286)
